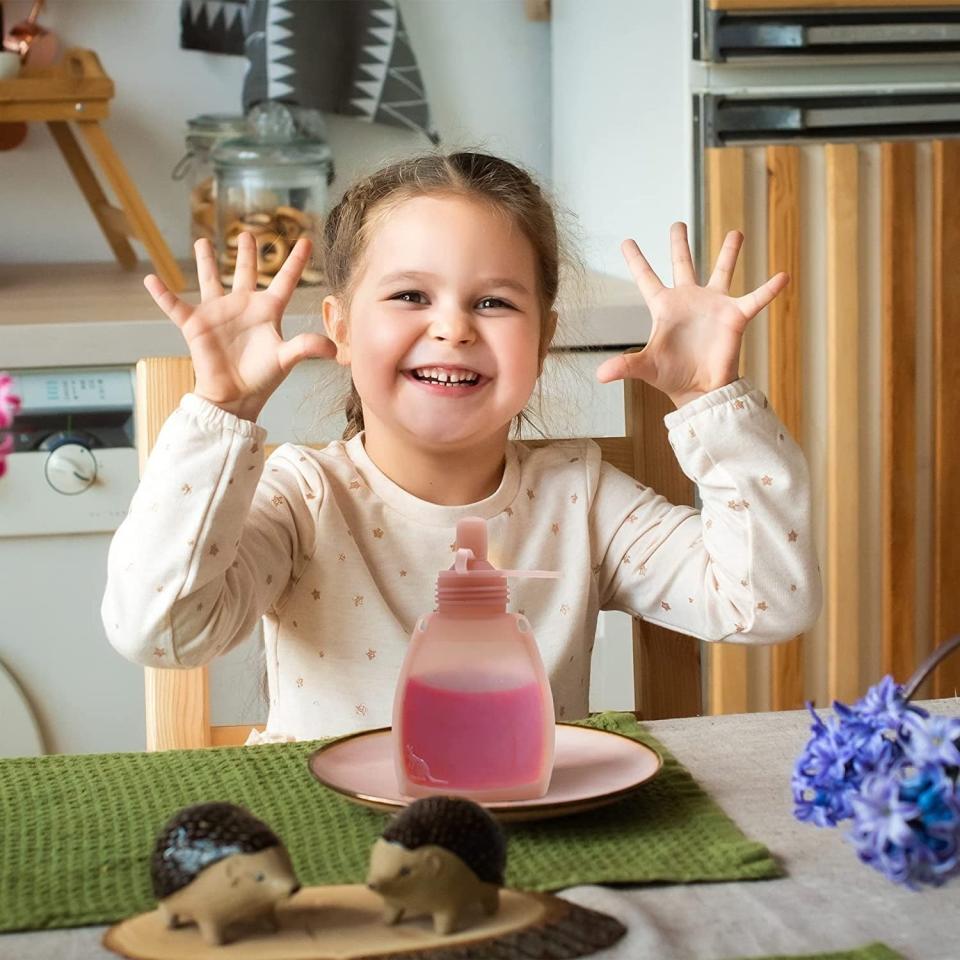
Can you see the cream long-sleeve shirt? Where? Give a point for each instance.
(340, 562)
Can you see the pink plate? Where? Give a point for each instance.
(591, 768)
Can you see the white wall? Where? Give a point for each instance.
(485, 65)
(622, 147)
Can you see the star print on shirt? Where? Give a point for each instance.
(186, 488)
(792, 536)
(766, 480)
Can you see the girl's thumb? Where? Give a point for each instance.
(305, 346)
(628, 366)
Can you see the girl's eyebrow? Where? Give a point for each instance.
(417, 275)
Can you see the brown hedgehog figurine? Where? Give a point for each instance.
(441, 856)
(215, 864)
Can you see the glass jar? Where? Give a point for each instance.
(273, 184)
(196, 167)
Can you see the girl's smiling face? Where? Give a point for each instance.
(447, 289)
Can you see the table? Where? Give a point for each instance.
(828, 900)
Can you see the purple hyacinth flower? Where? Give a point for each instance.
(907, 825)
(846, 747)
(932, 740)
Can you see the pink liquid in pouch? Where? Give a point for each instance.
(472, 739)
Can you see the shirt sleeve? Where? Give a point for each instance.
(743, 568)
(211, 540)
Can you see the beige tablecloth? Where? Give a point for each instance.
(829, 900)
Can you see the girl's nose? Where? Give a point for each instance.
(453, 325)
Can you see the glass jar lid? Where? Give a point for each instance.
(273, 141)
(207, 128)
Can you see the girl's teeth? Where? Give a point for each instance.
(443, 376)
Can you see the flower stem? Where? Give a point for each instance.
(941, 653)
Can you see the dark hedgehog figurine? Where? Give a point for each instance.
(215, 864)
(440, 856)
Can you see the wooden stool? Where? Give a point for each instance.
(77, 91)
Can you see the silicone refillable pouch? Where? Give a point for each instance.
(473, 712)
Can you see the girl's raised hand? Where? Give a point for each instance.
(694, 344)
(238, 351)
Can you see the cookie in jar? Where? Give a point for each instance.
(272, 184)
(195, 168)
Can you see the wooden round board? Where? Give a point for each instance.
(345, 922)
(591, 768)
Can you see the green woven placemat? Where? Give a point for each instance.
(76, 832)
(872, 951)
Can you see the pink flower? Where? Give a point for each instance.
(9, 401)
(9, 405)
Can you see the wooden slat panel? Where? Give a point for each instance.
(899, 464)
(843, 423)
(666, 663)
(784, 358)
(726, 210)
(945, 580)
(824, 4)
(177, 701)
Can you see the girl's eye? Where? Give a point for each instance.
(409, 296)
(493, 303)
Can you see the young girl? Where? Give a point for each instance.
(443, 271)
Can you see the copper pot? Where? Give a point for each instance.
(35, 44)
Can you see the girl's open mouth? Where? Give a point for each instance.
(447, 384)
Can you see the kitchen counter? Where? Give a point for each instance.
(54, 314)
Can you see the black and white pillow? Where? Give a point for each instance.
(351, 57)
